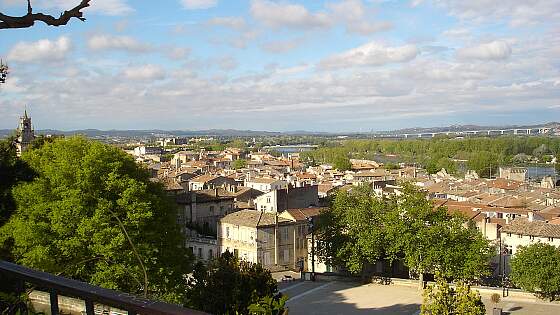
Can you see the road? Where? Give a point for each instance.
(308, 298)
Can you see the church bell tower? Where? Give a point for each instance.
(25, 133)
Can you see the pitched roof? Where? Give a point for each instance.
(262, 180)
(204, 178)
(301, 214)
(522, 226)
(252, 218)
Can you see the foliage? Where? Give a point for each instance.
(269, 306)
(12, 171)
(228, 285)
(342, 163)
(92, 214)
(495, 298)
(483, 154)
(535, 269)
(239, 164)
(442, 299)
(237, 143)
(17, 304)
(361, 228)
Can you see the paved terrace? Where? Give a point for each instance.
(336, 297)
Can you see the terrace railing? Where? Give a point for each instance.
(90, 294)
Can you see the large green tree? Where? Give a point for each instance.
(536, 268)
(361, 228)
(229, 286)
(430, 239)
(93, 214)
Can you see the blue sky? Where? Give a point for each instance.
(337, 65)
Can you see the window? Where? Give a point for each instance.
(210, 254)
(227, 232)
(267, 199)
(520, 236)
(286, 256)
(211, 209)
(199, 252)
(509, 234)
(551, 239)
(531, 238)
(285, 233)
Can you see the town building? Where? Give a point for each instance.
(289, 198)
(266, 184)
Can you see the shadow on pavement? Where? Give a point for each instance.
(336, 303)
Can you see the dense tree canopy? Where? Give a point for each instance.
(92, 214)
(361, 228)
(229, 286)
(482, 154)
(12, 171)
(536, 268)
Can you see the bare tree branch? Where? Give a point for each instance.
(29, 19)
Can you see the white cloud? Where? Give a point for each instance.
(356, 17)
(41, 50)
(198, 4)
(279, 15)
(281, 46)
(457, 33)
(233, 22)
(495, 50)
(144, 72)
(113, 42)
(227, 63)
(516, 12)
(371, 54)
(177, 53)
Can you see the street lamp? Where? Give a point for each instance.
(312, 227)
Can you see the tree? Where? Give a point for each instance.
(429, 239)
(233, 286)
(361, 228)
(442, 299)
(535, 269)
(350, 232)
(12, 171)
(239, 164)
(93, 214)
(30, 18)
(342, 163)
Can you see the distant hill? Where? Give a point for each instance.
(457, 128)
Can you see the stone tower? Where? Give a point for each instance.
(25, 133)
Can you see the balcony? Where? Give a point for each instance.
(90, 294)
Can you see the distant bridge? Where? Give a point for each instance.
(493, 132)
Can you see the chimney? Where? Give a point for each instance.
(530, 216)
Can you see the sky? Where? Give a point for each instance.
(335, 65)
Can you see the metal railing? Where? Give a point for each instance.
(91, 294)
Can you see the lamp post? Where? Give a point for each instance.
(311, 226)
